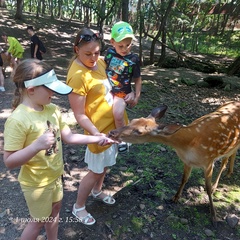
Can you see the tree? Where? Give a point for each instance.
(125, 4)
(162, 12)
(19, 10)
(2, 4)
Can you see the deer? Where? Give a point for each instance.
(209, 138)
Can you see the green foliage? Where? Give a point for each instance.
(137, 224)
(207, 44)
(189, 25)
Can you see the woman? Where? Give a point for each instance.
(91, 102)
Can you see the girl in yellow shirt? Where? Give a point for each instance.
(33, 136)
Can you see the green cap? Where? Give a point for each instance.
(121, 30)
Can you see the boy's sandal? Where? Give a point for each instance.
(108, 199)
(83, 220)
(122, 147)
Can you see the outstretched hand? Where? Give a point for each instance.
(106, 141)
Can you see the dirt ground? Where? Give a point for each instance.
(139, 213)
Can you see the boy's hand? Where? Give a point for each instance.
(131, 100)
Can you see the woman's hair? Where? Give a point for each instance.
(82, 32)
(79, 41)
(26, 70)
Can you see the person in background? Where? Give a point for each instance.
(123, 68)
(15, 49)
(2, 88)
(91, 101)
(33, 136)
(35, 52)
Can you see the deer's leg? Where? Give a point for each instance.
(208, 183)
(231, 164)
(186, 173)
(223, 167)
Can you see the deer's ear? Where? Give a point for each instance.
(171, 128)
(158, 112)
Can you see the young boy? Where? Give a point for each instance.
(35, 52)
(123, 67)
(15, 49)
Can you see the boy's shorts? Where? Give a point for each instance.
(40, 199)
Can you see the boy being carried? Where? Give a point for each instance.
(123, 67)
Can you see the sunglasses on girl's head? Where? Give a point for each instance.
(89, 38)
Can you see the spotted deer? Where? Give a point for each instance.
(208, 138)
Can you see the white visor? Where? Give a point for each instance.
(50, 81)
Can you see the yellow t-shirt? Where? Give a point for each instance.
(22, 128)
(15, 48)
(95, 86)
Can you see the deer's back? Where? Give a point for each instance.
(212, 136)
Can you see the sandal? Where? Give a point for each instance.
(83, 220)
(123, 147)
(108, 199)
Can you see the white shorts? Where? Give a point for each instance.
(97, 162)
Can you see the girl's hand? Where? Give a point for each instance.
(106, 141)
(45, 141)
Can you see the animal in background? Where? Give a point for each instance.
(209, 138)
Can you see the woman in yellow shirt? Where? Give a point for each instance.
(91, 101)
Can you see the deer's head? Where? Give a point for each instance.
(142, 130)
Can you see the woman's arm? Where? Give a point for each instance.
(77, 103)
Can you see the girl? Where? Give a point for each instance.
(33, 137)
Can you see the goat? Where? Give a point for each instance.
(208, 138)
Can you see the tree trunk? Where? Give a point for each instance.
(141, 27)
(125, 4)
(163, 30)
(74, 10)
(234, 68)
(2, 4)
(19, 14)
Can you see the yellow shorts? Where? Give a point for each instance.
(40, 199)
